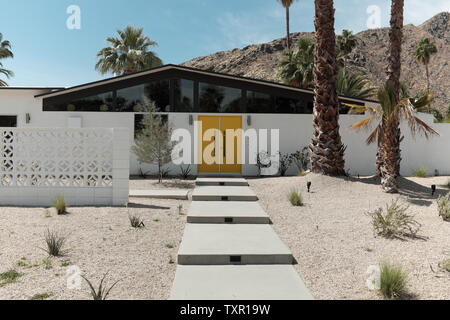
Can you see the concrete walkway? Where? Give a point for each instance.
(230, 252)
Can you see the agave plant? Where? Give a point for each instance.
(100, 293)
(385, 116)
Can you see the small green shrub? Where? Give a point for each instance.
(295, 198)
(169, 246)
(60, 205)
(8, 277)
(101, 293)
(393, 281)
(66, 263)
(47, 262)
(444, 207)
(395, 222)
(41, 296)
(421, 172)
(136, 221)
(445, 265)
(55, 242)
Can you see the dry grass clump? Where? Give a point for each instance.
(296, 198)
(444, 207)
(8, 277)
(55, 242)
(136, 221)
(395, 222)
(393, 281)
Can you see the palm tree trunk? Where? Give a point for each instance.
(288, 34)
(327, 150)
(427, 70)
(391, 131)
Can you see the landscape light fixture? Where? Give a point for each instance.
(308, 185)
(27, 118)
(191, 120)
(249, 120)
(433, 189)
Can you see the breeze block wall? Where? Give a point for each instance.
(88, 166)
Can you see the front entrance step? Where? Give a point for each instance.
(224, 244)
(223, 193)
(221, 182)
(237, 212)
(261, 282)
(160, 194)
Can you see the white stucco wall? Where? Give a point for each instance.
(295, 133)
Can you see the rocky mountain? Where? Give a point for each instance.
(369, 57)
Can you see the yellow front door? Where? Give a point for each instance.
(220, 144)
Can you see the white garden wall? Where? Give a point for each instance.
(86, 166)
(295, 133)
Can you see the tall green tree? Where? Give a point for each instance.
(424, 51)
(128, 53)
(327, 149)
(296, 68)
(389, 157)
(287, 5)
(345, 43)
(5, 52)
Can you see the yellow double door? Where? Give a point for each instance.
(220, 144)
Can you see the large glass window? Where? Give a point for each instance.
(258, 102)
(135, 99)
(99, 103)
(184, 95)
(214, 98)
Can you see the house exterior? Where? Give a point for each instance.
(187, 95)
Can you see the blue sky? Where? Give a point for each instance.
(47, 53)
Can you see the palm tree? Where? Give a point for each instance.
(391, 112)
(388, 159)
(128, 53)
(327, 150)
(425, 49)
(5, 52)
(345, 45)
(353, 85)
(297, 67)
(287, 5)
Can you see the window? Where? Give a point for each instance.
(99, 103)
(135, 99)
(259, 102)
(8, 121)
(184, 95)
(214, 98)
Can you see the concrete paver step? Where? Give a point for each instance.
(225, 244)
(160, 194)
(240, 212)
(221, 182)
(223, 193)
(261, 282)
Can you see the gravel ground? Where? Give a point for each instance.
(139, 183)
(99, 240)
(333, 240)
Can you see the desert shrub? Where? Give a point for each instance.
(55, 242)
(48, 264)
(395, 222)
(445, 265)
(285, 163)
(393, 281)
(295, 198)
(185, 172)
(169, 246)
(444, 207)
(60, 205)
(8, 277)
(100, 293)
(421, 172)
(136, 221)
(448, 184)
(41, 296)
(301, 159)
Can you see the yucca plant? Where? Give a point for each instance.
(60, 205)
(395, 222)
(295, 198)
(185, 172)
(393, 281)
(102, 292)
(55, 242)
(443, 203)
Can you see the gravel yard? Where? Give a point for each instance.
(333, 240)
(99, 240)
